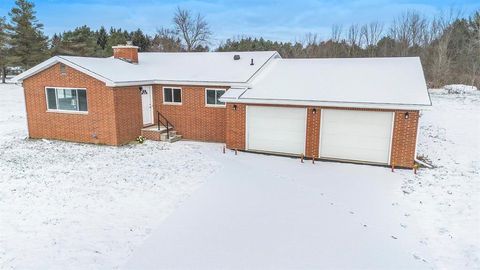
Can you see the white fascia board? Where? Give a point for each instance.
(54, 60)
(261, 70)
(36, 69)
(173, 82)
(360, 105)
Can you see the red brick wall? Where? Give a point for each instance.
(130, 53)
(404, 139)
(68, 126)
(128, 113)
(403, 142)
(192, 119)
(235, 127)
(313, 132)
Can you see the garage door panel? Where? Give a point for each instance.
(356, 135)
(276, 129)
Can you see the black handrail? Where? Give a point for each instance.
(167, 125)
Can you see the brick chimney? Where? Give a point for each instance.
(127, 53)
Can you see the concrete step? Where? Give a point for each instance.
(154, 128)
(165, 138)
(175, 138)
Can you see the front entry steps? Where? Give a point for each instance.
(155, 134)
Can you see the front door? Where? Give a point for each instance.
(147, 108)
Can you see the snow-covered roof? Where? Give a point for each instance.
(190, 68)
(344, 82)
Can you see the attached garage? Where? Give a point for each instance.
(362, 110)
(276, 129)
(356, 135)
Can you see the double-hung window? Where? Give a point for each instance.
(67, 99)
(212, 97)
(172, 95)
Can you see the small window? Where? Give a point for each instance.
(172, 95)
(67, 99)
(212, 97)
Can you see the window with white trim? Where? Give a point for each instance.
(66, 99)
(172, 95)
(212, 97)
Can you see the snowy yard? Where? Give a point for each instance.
(68, 205)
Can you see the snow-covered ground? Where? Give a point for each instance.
(68, 205)
(446, 200)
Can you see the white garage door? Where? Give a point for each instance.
(356, 135)
(276, 129)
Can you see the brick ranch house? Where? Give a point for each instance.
(352, 109)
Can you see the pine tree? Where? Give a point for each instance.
(102, 38)
(3, 49)
(79, 42)
(116, 37)
(141, 40)
(28, 45)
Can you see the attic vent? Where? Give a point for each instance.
(236, 57)
(63, 69)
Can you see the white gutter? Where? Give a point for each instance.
(389, 106)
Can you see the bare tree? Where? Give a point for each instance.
(370, 35)
(166, 40)
(354, 39)
(194, 31)
(336, 33)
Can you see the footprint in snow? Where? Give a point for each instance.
(394, 237)
(403, 225)
(351, 212)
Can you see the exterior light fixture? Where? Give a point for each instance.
(234, 107)
(314, 111)
(407, 115)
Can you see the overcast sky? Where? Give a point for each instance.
(279, 20)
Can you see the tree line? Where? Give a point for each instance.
(448, 44)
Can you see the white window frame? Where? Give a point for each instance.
(172, 102)
(215, 105)
(56, 97)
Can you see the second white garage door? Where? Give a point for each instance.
(356, 135)
(276, 129)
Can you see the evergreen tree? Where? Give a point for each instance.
(141, 40)
(56, 43)
(28, 45)
(102, 38)
(116, 37)
(3, 49)
(80, 42)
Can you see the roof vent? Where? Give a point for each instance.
(236, 57)
(251, 62)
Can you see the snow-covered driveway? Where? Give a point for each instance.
(263, 212)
